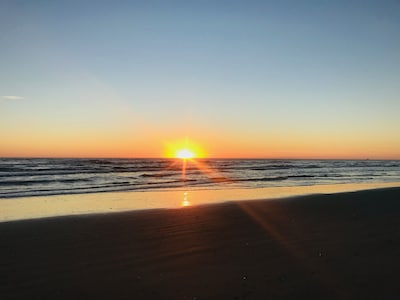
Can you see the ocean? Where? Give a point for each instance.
(55, 176)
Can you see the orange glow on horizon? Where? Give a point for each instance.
(93, 144)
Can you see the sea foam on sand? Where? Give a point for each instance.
(94, 203)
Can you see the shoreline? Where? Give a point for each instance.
(25, 208)
(331, 246)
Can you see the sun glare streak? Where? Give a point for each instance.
(268, 225)
(212, 174)
(184, 162)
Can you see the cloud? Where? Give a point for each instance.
(13, 97)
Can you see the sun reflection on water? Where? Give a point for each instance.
(185, 201)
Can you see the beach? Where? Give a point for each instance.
(338, 246)
(197, 150)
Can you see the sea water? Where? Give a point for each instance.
(22, 177)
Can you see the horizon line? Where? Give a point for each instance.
(201, 158)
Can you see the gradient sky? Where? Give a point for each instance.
(296, 79)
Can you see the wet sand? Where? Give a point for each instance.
(340, 246)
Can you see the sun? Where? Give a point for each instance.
(184, 154)
(183, 149)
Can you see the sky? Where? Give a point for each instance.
(244, 79)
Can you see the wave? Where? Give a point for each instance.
(158, 175)
(40, 181)
(276, 167)
(277, 178)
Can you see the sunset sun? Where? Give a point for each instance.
(184, 149)
(185, 154)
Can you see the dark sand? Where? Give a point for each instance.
(343, 246)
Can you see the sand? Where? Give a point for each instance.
(341, 246)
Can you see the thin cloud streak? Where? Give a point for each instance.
(13, 97)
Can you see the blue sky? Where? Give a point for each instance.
(235, 71)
